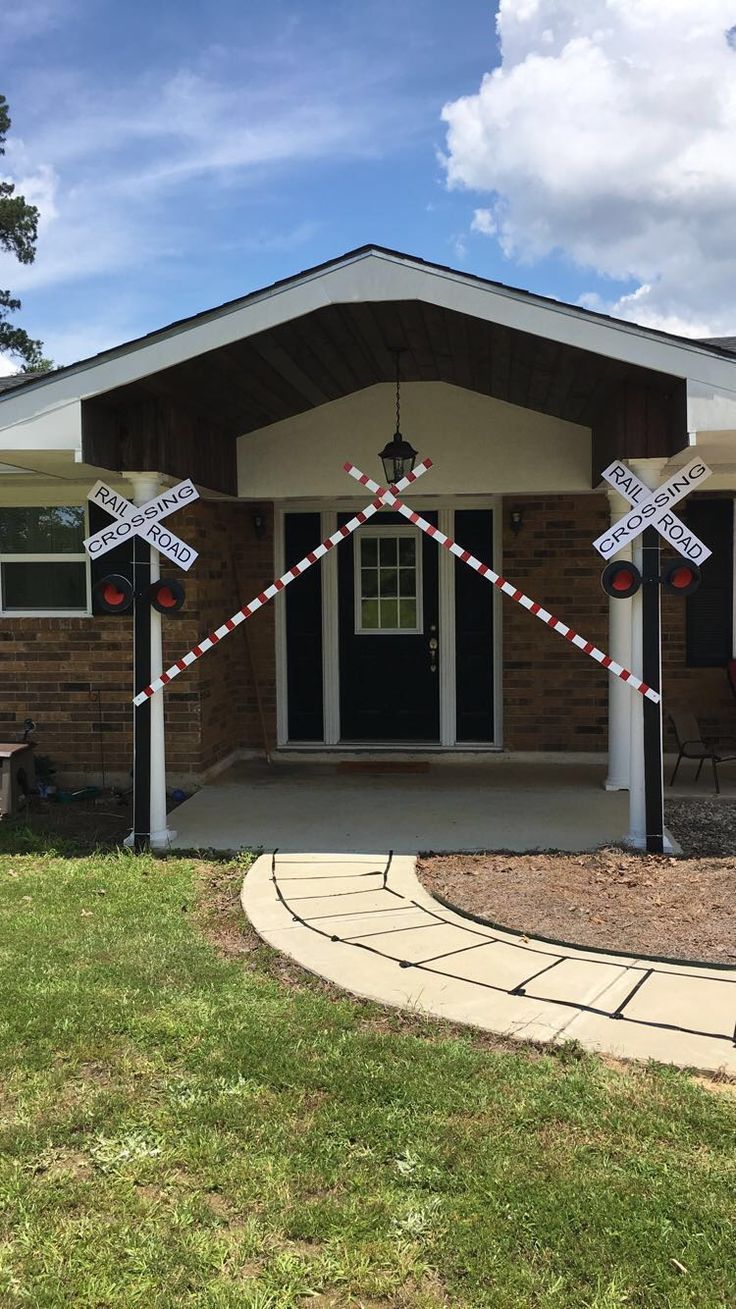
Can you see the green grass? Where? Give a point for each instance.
(184, 1127)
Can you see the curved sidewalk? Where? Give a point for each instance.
(365, 922)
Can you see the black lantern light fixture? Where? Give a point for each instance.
(397, 456)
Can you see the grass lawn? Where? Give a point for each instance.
(186, 1120)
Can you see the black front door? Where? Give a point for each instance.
(388, 613)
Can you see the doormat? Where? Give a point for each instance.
(381, 766)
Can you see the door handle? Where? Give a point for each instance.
(433, 646)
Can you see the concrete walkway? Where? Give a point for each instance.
(365, 922)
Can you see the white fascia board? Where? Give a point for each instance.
(372, 276)
(710, 410)
(551, 320)
(56, 428)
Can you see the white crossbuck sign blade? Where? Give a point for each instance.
(142, 520)
(653, 509)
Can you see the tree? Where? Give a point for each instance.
(18, 233)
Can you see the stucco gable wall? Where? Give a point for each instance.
(479, 445)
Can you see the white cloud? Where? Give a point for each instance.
(608, 132)
(484, 222)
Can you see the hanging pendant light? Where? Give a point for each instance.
(397, 456)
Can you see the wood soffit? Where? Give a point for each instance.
(342, 348)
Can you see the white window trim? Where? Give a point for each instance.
(49, 558)
(369, 533)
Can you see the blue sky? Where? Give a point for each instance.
(186, 153)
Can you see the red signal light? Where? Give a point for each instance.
(166, 595)
(621, 580)
(681, 578)
(112, 594)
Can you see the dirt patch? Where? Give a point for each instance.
(610, 900)
(82, 826)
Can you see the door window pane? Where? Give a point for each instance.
(407, 552)
(369, 551)
(29, 586)
(389, 581)
(387, 574)
(407, 613)
(389, 550)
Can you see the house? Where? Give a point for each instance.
(389, 643)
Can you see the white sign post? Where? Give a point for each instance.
(651, 509)
(143, 526)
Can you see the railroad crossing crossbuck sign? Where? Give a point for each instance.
(653, 509)
(144, 521)
(387, 497)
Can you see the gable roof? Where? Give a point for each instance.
(716, 348)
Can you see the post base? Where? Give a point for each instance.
(634, 841)
(158, 840)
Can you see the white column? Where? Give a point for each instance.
(648, 472)
(145, 487)
(619, 695)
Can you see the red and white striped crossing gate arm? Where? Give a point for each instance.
(587, 647)
(259, 601)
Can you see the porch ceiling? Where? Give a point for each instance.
(340, 348)
(184, 419)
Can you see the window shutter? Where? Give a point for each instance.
(709, 624)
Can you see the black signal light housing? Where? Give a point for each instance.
(112, 594)
(681, 578)
(621, 579)
(166, 595)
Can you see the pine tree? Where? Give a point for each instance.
(18, 233)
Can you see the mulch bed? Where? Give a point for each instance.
(613, 899)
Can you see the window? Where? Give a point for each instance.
(43, 567)
(388, 591)
(709, 625)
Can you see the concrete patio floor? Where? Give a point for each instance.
(496, 805)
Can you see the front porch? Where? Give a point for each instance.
(498, 804)
(388, 641)
(449, 804)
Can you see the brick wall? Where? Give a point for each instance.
(227, 681)
(54, 669)
(554, 699)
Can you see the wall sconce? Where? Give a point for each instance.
(259, 524)
(517, 520)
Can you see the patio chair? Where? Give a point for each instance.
(693, 745)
